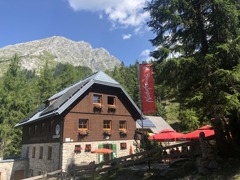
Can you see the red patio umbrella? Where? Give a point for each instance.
(130, 150)
(103, 151)
(167, 135)
(208, 131)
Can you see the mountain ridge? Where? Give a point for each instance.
(58, 49)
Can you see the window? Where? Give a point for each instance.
(123, 146)
(77, 149)
(29, 130)
(123, 128)
(107, 124)
(88, 148)
(83, 124)
(27, 152)
(97, 103)
(111, 100)
(122, 125)
(49, 152)
(51, 125)
(97, 98)
(33, 152)
(111, 104)
(41, 152)
(35, 129)
(42, 127)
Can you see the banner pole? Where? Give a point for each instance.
(140, 103)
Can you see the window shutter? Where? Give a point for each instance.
(114, 148)
(100, 156)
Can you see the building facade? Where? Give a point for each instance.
(91, 114)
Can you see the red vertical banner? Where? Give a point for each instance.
(147, 89)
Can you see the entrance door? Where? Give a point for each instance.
(107, 157)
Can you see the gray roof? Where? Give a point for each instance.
(154, 123)
(63, 99)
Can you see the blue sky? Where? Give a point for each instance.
(119, 26)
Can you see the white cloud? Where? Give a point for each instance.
(145, 54)
(126, 36)
(127, 13)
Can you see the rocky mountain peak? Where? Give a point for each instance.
(59, 49)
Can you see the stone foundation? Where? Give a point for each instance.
(41, 165)
(69, 156)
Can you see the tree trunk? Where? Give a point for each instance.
(225, 146)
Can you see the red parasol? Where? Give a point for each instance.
(131, 150)
(208, 131)
(103, 151)
(167, 135)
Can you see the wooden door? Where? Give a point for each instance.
(107, 157)
(19, 175)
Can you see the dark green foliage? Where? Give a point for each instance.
(189, 27)
(204, 76)
(15, 103)
(22, 91)
(67, 74)
(46, 83)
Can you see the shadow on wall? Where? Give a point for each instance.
(71, 165)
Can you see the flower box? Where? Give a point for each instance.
(107, 132)
(97, 105)
(112, 107)
(84, 132)
(123, 131)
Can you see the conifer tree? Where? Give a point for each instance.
(46, 84)
(204, 38)
(14, 106)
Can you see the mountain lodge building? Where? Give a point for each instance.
(93, 113)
